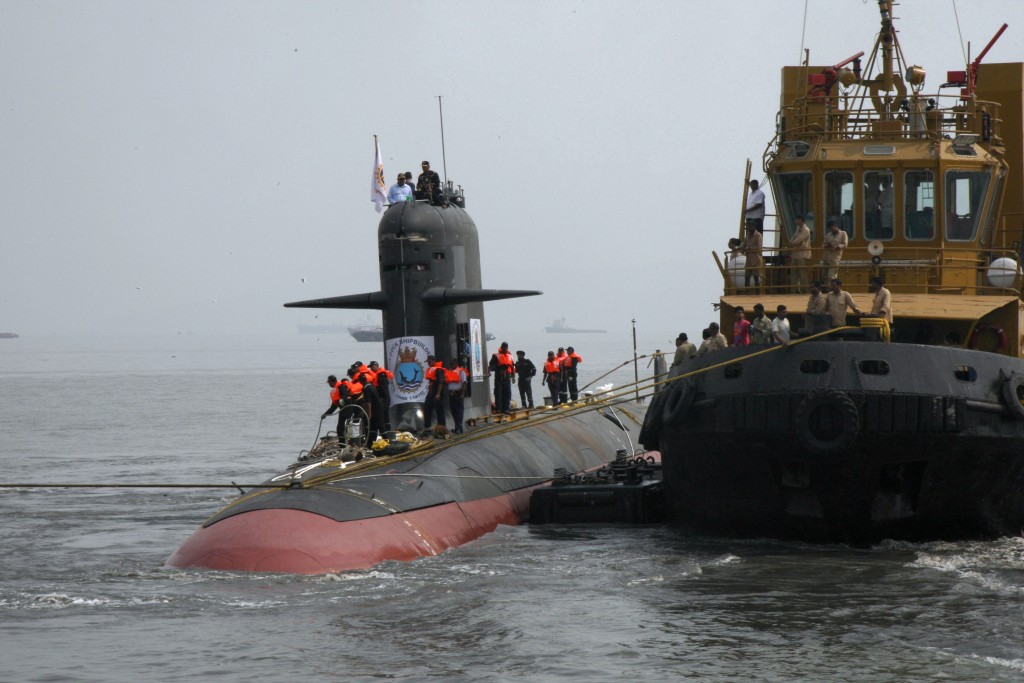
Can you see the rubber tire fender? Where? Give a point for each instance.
(1012, 391)
(849, 420)
(679, 401)
(650, 430)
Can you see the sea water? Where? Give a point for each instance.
(84, 595)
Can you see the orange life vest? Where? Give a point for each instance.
(505, 360)
(355, 389)
(552, 367)
(377, 375)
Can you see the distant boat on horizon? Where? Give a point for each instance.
(8, 335)
(558, 326)
(366, 332)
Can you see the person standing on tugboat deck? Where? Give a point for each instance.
(838, 301)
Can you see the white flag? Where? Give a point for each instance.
(378, 193)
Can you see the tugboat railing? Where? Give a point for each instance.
(921, 270)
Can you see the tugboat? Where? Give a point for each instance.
(858, 432)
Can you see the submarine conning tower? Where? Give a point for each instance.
(431, 297)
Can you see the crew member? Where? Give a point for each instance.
(881, 305)
(751, 248)
(760, 327)
(715, 341)
(502, 367)
(755, 207)
(428, 186)
(572, 359)
(684, 350)
(835, 241)
(455, 383)
(433, 405)
(740, 329)
(382, 381)
(371, 399)
(838, 301)
(552, 376)
(563, 380)
(525, 371)
(336, 402)
(780, 326)
(399, 192)
(801, 255)
(816, 302)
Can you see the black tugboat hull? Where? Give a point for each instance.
(845, 441)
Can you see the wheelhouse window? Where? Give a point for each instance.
(878, 205)
(796, 193)
(919, 205)
(965, 199)
(839, 199)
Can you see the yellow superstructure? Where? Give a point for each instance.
(928, 187)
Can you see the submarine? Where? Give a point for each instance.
(329, 514)
(906, 423)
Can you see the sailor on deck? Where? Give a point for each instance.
(835, 241)
(716, 341)
(400, 192)
(838, 301)
(801, 255)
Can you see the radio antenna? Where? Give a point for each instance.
(444, 161)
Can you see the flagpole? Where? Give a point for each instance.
(444, 161)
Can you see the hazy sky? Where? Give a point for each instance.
(181, 166)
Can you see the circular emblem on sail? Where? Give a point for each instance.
(409, 372)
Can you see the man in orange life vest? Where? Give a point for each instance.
(572, 359)
(382, 380)
(433, 405)
(502, 367)
(563, 380)
(372, 401)
(343, 394)
(455, 384)
(552, 376)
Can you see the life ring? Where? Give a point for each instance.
(829, 433)
(650, 430)
(1013, 394)
(973, 342)
(678, 402)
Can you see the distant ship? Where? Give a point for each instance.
(366, 332)
(8, 335)
(559, 325)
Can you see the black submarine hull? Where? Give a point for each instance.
(844, 441)
(404, 507)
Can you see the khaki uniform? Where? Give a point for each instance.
(881, 305)
(801, 255)
(751, 248)
(716, 343)
(761, 330)
(834, 245)
(683, 351)
(816, 304)
(837, 305)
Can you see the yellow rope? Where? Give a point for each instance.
(881, 324)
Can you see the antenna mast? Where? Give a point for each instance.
(444, 161)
